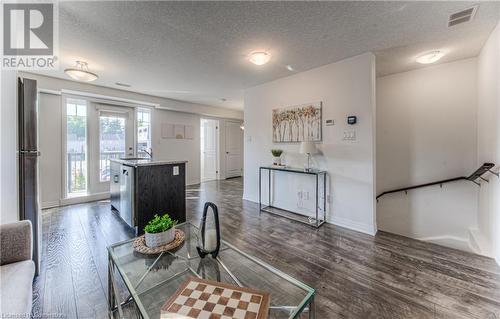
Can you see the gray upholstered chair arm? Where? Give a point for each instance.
(15, 242)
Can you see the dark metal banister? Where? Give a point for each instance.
(486, 167)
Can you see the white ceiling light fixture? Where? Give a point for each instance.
(430, 57)
(259, 57)
(290, 68)
(81, 72)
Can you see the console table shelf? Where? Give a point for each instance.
(320, 179)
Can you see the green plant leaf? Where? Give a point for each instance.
(276, 152)
(159, 224)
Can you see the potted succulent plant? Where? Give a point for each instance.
(160, 231)
(276, 156)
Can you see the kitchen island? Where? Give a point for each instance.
(141, 188)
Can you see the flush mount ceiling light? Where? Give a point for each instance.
(259, 57)
(81, 72)
(430, 57)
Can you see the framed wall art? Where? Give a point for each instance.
(297, 123)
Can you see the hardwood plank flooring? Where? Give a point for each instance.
(355, 275)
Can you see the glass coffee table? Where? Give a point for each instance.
(151, 280)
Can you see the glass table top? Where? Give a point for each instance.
(151, 280)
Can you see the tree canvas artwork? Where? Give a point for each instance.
(297, 123)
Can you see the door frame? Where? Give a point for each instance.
(217, 151)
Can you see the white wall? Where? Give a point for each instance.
(488, 139)
(426, 131)
(50, 130)
(8, 144)
(345, 88)
(178, 149)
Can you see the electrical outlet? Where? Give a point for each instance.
(300, 197)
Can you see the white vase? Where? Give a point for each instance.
(277, 160)
(159, 239)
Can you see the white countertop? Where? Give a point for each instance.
(146, 161)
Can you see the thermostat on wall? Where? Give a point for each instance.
(351, 120)
(329, 122)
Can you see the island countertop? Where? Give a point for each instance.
(135, 162)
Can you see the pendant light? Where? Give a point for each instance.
(81, 72)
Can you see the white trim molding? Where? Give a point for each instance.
(51, 204)
(479, 243)
(342, 222)
(450, 241)
(353, 225)
(84, 199)
(106, 99)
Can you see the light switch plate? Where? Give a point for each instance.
(349, 135)
(176, 170)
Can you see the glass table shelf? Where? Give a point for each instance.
(152, 279)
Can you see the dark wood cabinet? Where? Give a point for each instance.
(158, 191)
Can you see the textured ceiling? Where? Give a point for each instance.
(197, 51)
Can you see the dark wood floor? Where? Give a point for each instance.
(356, 275)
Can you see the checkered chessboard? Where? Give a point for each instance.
(205, 299)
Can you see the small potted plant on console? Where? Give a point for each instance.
(160, 231)
(276, 156)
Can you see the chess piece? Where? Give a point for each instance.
(209, 232)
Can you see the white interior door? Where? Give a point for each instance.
(209, 149)
(234, 149)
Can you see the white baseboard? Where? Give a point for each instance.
(245, 197)
(50, 204)
(353, 225)
(84, 199)
(480, 243)
(339, 221)
(451, 241)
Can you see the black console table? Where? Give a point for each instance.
(320, 177)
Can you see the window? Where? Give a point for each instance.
(143, 132)
(111, 142)
(76, 146)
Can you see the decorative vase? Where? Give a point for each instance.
(159, 239)
(277, 160)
